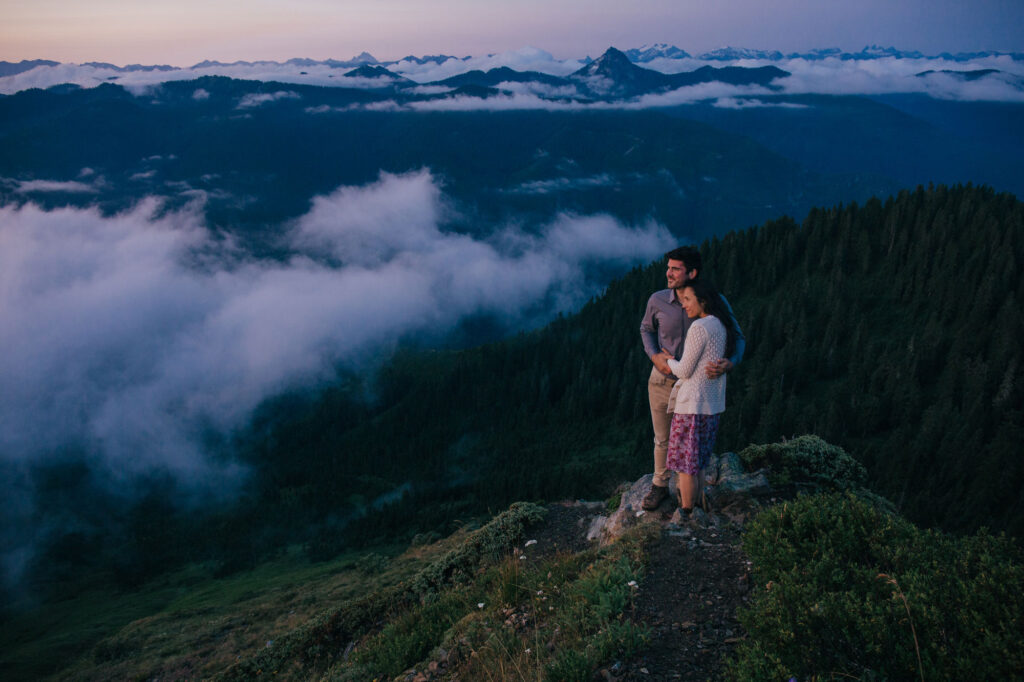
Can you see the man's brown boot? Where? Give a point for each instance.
(655, 497)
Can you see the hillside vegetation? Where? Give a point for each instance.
(891, 329)
(836, 586)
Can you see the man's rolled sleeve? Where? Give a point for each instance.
(649, 332)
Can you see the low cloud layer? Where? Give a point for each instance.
(832, 75)
(131, 337)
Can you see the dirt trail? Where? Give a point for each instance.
(697, 579)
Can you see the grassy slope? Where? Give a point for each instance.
(189, 620)
(839, 581)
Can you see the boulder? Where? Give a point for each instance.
(726, 484)
(630, 512)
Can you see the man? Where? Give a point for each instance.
(664, 328)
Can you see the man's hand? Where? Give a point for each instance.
(717, 368)
(661, 362)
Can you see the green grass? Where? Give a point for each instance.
(187, 619)
(557, 619)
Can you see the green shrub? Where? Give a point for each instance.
(807, 459)
(849, 590)
(487, 544)
(371, 564)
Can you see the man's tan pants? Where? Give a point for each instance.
(659, 387)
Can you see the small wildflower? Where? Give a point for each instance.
(632, 583)
(480, 605)
(522, 557)
(531, 542)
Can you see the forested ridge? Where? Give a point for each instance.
(891, 329)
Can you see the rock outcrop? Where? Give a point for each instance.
(730, 495)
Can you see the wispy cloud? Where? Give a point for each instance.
(49, 186)
(259, 99)
(430, 90)
(563, 184)
(753, 103)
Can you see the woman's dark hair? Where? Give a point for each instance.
(711, 301)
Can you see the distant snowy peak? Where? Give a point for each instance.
(879, 52)
(647, 53)
(729, 54)
(364, 58)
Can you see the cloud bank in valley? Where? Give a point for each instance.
(832, 76)
(130, 337)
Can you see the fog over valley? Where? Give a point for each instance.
(131, 339)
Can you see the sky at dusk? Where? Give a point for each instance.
(187, 31)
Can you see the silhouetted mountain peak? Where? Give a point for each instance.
(369, 71)
(613, 75)
(613, 63)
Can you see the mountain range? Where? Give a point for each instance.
(638, 55)
(613, 76)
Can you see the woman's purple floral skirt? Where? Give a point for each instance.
(690, 440)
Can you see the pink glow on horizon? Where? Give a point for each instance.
(188, 31)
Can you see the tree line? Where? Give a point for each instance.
(891, 329)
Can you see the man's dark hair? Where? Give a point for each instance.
(689, 255)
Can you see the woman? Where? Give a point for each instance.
(697, 402)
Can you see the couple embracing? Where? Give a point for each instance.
(691, 335)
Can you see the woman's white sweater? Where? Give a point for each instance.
(694, 393)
